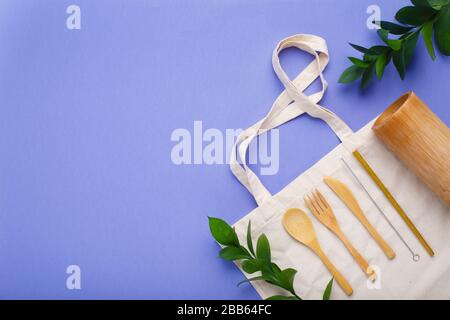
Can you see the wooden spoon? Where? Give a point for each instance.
(300, 227)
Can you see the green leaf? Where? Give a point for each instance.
(273, 298)
(380, 65)
(421, 3)
(415, 16)
(427, 33)
(375, 52)
(394, 28)
(270, 272)
(234, 253)
(359, 48)
(251, 266)
(438, 4)
(249, 238)
(383, 34)
(367, 77)
(359, 63)
(351, 74)
(399, 62)
(327, 292)
(276, 269)
(270, 276)
(393, 44)
(442, 31)
(222, 232)
(409, 45)
(435, 4)
(286, 279)
(263, 248)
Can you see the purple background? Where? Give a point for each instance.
(85, 124)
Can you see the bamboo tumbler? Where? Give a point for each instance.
(420, 140)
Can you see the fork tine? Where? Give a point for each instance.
(324, 201)
(318, 201)
(309, 203)
(315, 205)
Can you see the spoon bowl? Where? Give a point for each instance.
(300, 227)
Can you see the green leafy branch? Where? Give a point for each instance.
(426, 17)
(258, 260)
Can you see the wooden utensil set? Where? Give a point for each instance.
(300, 227)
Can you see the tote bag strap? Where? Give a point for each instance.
(289, 105)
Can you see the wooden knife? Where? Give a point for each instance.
(346, 195)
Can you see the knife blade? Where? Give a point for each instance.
(345, 194)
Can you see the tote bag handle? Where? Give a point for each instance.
(289, 105)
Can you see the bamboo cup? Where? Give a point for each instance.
(420, 140)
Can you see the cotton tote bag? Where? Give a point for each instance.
(400, 278)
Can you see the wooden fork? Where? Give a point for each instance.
(323, 212)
